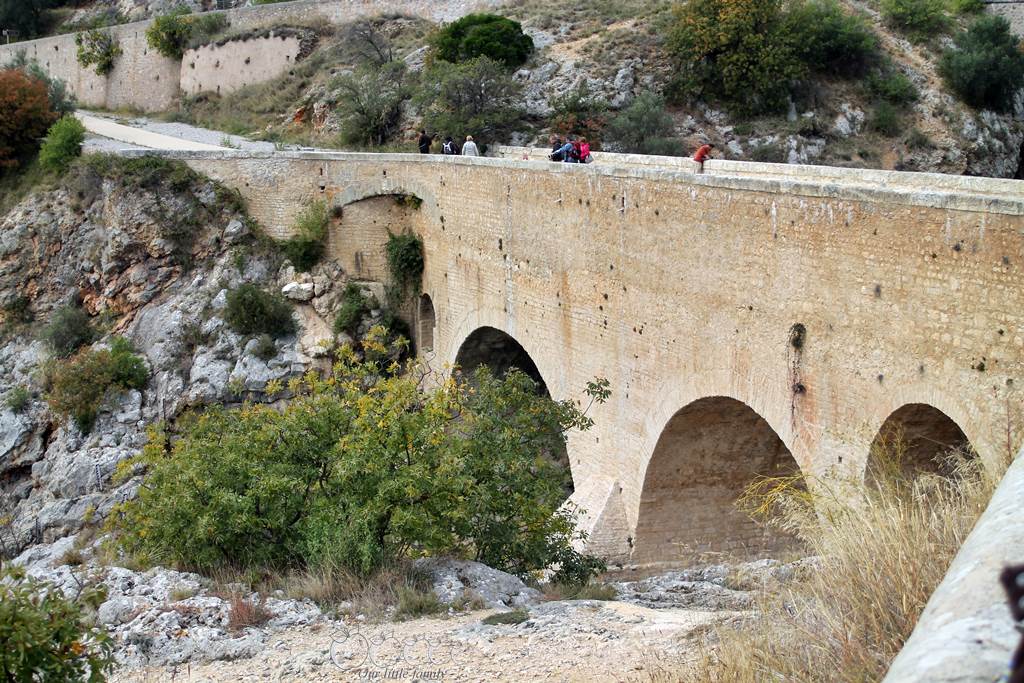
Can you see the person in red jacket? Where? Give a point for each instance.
(703, 154)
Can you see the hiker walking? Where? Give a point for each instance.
(703, 154)
(449, 147)
(424, 142)
(469, 149)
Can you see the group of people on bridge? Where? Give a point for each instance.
(449, 146)
(573, 150)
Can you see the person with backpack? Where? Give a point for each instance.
(448, 147)
(563, 153)
(425, 142)
(585, 156)
(469, 149)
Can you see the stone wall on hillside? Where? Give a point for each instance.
(224, 67)
(145, 80)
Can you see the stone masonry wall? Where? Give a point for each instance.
(144, 79)
(224, 68)
(677, 287)
(1011, 10)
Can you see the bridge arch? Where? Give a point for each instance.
(915, 438)
(705, 456)
(499, 351)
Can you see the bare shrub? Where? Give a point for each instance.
(245, 613)
(880, 551)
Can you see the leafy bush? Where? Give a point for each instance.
(826, 38)
(371, 107)
(265, 347)
(25, 115)
(27, 17)
(250, 310)
(920, 20)
(169, 34)
(62, 102)
(483, 35)
(644, 127)
(579, 113)
(17, 398)
(69, 329)
(46, 637)
(99, 49)
(477, 98)
(966, 6)
(769, 153)
(353, 308)
(63, 144)
(736, 50)
(306, 248)
(986, 67)
(885, 120)
(359, 470)
(516, 616)
(405, 260)
(18, 310)
(80, 384)
(892, 85)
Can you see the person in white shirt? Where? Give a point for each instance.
(469, 149)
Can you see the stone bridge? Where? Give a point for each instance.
(752, 319)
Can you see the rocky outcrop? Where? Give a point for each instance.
(122, 249)
(464, 581)
(164, 617)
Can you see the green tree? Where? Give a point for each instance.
(363, 468)
(63, 144)
(45, 637)
(644, 127)
(920, 20)
(27, 17)
(826, 38)
(483, 35)
(735, 50)
(169, 34)
(370, 103)
(986, 67)
(476, 98)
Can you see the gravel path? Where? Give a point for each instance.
(143, 133)
(561, 641)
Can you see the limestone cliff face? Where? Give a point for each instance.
(153, 260)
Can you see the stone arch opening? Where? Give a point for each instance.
(915, 439)
(499, 351)
(426, 320)
(707, 455)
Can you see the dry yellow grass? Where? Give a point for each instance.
(878, 559)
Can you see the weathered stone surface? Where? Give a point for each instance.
(456, 580)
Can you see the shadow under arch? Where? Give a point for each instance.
(500, 352)
(916, 438)
(704, 459)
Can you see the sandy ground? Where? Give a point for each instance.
(561, 641)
